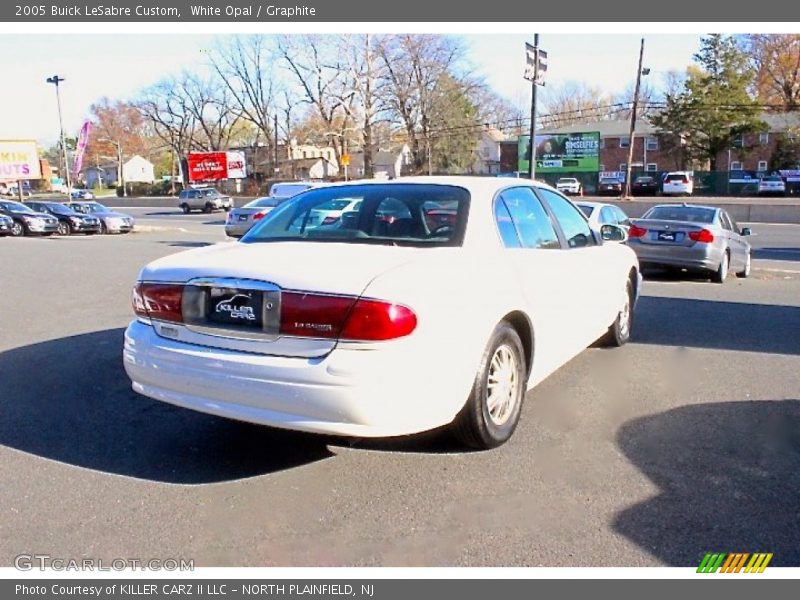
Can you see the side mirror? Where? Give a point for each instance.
(746, 231)
(613, 233)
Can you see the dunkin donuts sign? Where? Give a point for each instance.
(19, 159)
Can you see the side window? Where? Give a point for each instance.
(734, 224)
(572, 221)
(607, 215)
(726, 222)
(505, 226)
(533, 224)
(622, 218)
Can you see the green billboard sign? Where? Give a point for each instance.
(562, 152)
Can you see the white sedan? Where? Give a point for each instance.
(438, 301)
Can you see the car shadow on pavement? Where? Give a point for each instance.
(69, 400)
(695, 323)
(217, 222)
(787, 254)
(729, 475)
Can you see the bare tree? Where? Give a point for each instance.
(575, 102)
(414, 67)
(245, 66)
(322, 78)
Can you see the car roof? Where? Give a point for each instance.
(591, 204)
(685, 205)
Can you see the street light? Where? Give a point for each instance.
(120, 177)
(55, 80)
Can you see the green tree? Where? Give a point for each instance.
(453, 133)
(713, 109)
(787, 152)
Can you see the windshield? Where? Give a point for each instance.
(16, 207)
(393, 214)
(694, 214)
(95, 207)
(59, 209)
(263, 203)
(208, 193)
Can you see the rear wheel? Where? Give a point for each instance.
(745, 272)
(492, 411)
(185, 208)
(620, 331)
(721, 274)
(103, 228)
(17, 229)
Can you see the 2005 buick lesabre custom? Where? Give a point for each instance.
(432, 301)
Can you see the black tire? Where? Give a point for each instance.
(18, 229)
(721, 274)
(185, 208)
(619, 332)
(475, 425)
(208, 208)
(103, 228)
(64, 228)
(745, 273)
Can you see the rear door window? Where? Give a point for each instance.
(531, 221)
(571, 220)
(607, 216)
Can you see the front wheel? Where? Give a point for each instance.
(493, 408)
(721, 274)
(185, 208)
(208, 208)
(745, 272)
(64, 228)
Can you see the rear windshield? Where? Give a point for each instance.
(401, 214)
(263, 203)
(285, 191)
(587, 210)
(678, 177)
(695, 214)
(772, 179)
(644, 180)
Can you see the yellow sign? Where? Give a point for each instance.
(345, 160)
(19, 160)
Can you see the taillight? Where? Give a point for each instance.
(636, 232)
(259, 215)
(344, 317)
(704, 236)
(158, 301)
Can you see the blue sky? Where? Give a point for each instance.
(96, 65)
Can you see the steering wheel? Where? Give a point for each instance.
(441, 230)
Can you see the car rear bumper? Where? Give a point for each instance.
(699, 256)
(237, 229)
(364, 393)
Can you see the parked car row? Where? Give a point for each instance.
(48, 217)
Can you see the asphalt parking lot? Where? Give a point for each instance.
(686, 440)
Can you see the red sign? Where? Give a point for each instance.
(207, 166)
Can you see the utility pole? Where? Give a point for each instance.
(534, 85)
(633, 122)
(55, 80)
(275, 150)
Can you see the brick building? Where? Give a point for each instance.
(752, 152)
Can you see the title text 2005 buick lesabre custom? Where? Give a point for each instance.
(435, 301)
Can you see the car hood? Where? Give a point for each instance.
(314, 266)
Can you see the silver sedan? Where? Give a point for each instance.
(692, 237)
(240, 220)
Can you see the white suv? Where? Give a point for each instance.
(205, 199)
(679, 183)
(569, 185)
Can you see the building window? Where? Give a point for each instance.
(602, 144)
(652, 167)
(736, 166)
(624, 142)
(763, 138)
(762, 165)
(738, 141)
(623, 168)
(652, 144)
